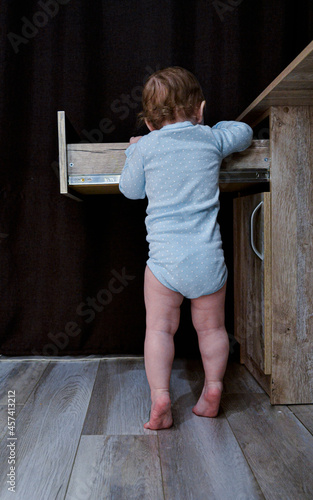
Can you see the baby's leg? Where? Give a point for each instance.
(162, 320)
(208, 318)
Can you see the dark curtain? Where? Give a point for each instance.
(90, 59)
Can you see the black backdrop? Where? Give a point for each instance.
(90, 59)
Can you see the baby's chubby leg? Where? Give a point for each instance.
(162, 320)
(208, 319)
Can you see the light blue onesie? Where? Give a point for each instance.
(177, 167)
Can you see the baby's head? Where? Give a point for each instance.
(171, 95)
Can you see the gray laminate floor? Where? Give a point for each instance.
(79, 435)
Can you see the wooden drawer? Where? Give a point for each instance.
(95, 168)
(252, 279)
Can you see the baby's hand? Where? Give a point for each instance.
(132, 140)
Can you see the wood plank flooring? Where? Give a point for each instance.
(80, 436)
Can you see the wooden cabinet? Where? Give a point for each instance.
(274, 296)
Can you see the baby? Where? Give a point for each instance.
(177, 167)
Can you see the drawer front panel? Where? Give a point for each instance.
(252, 278)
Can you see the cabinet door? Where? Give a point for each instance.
(252, 279)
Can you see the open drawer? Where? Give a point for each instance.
(95, 168)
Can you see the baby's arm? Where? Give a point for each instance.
(232, 136)
(133, 140)
(132, 180)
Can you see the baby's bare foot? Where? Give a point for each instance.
(161, 413)
(209, 401)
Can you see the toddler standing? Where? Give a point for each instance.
(177, 167)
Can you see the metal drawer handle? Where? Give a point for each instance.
(251, 231)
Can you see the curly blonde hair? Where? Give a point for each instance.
(169, 95)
